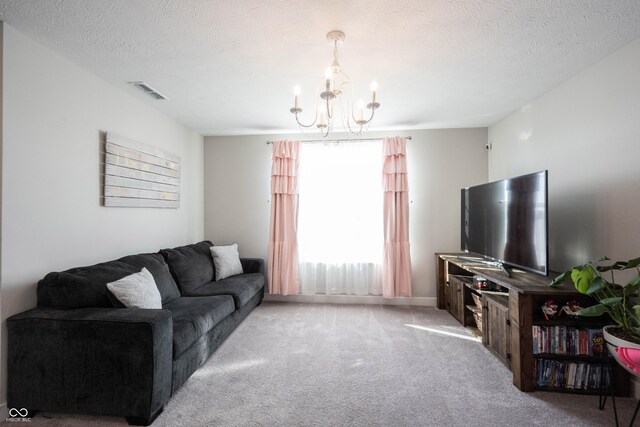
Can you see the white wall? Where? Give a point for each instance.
(586, 132)
(2, 376)
(441, 162)
(52, 219)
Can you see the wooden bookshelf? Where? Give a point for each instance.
(509, 316)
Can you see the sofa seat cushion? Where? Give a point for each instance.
(242, 288)
(190, 265)
(159, 269)
(194, 317)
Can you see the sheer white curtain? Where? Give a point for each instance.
(340, 229)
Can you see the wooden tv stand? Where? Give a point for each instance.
(508, 317)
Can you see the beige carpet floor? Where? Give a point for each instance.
(358, 365)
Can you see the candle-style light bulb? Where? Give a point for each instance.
(374, 88)
(296, 93)
(327, 74)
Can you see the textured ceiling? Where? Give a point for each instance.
(229, 67)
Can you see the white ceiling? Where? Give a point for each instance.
(229, 67)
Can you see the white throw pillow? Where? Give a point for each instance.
(226, 259)
(137, 290)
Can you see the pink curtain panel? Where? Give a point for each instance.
(282, 261)
(396, 264)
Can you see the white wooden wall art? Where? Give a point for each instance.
(139, 175)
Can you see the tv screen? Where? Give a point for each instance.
(506, 221)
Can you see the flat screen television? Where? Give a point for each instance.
(506, 222)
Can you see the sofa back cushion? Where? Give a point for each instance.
(82, 286)
(159, 270)
(190, 265)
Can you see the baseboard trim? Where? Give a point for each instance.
(353, 299)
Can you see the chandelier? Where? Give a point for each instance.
(337, 98)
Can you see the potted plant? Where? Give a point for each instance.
(619, 302)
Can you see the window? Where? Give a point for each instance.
(340, 229)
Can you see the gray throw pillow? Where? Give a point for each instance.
(226, 260)
(137, 290)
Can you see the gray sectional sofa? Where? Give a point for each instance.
(81, 351)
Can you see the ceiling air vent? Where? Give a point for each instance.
(149, 90)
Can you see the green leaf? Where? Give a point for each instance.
(593, 311)
(631, 289)
(618, 265)
(636, 308)
(582, 277)
(634, 282)
(597, 285)
(633, 263)
(611, 301)
(560, 279)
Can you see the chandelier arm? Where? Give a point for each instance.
(363, 122)
(352, 116)
(303, 125)
(373, 110)
(351, 130)
(346, 76)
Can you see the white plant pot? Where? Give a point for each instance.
(614, 342)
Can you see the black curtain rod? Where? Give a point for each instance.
(341, 140)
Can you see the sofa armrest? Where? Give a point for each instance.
(106, 361)
(253, 265)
